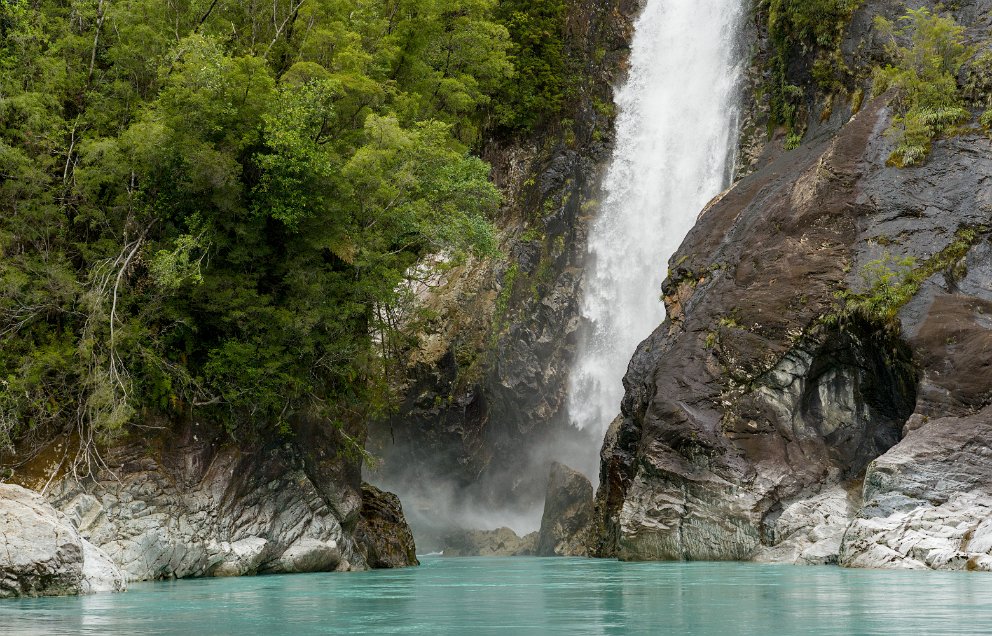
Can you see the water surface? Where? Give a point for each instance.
(532, 596)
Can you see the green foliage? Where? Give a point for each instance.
(213, 207)
(923, 77)
(810, 22)
(889, 283)
(793, 140)
(986, 119)
(800, 28)
(543, 79)
(503, 299)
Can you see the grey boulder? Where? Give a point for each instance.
(568, 514)
(42, 554)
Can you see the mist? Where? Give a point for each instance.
(508, 492)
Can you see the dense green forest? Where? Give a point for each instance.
(208, 206)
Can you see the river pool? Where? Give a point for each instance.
(532, 596)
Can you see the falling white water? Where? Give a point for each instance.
(676, 134)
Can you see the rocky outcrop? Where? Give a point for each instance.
(754, 412)
(568, 513)
(502, 542)
(183, 503)
(382, 536)
(42, 554)
(222, 518)
(928, 501)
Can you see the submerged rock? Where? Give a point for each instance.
(568, 514)
(502, 542)
(42, 553)
(382, 535)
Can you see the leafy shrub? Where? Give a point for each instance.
(923, 76)
(798, 28)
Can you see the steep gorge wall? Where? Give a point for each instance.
(184, 501)
(484, 414)
(761, 423)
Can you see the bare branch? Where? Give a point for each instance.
(100, 16)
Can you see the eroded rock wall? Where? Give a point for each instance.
(186, 502)
(760, 422)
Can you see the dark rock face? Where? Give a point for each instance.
(750, 417)
(485, 396)
(502, 542)
(382, 535)
(568, 513)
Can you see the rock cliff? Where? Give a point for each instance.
(182, 503)
(767, 420)
(483, 413)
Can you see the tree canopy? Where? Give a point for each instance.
(206, 204)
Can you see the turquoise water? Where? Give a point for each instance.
(532, 596)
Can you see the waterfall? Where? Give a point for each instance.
(676, 135)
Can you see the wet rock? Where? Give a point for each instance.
(182, 504)
(382, 535)
(241, 557)
(100, 574)
(809, 531)
(753, 414)
(568, 514)
(502, 542)
(307, 555)
(42, 554)
(928, 501)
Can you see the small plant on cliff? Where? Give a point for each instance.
(798, 28)
(889, 283)
(986, 119)
(923, 76)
